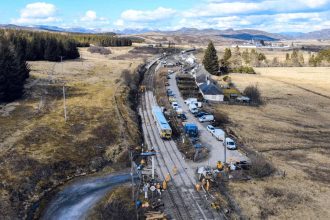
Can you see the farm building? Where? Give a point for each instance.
(211, 92)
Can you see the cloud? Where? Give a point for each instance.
(158, 14)
(89, 16)
(214, 8)
(91, 20)
(119, 23)
(37, 13)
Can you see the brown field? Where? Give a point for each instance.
(38, 150)
(292, 130)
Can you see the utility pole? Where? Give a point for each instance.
(153, 167)
(62, 63)
(225, 150)
(64, 100)
(133, 186)
(64, 104)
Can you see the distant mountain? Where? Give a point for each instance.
(51, 28)
(321, 34)
(135, 31)
(244, 34)
(12, 26)
(72, 30)
(292, 35)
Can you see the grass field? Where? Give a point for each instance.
(292, 130)
(38, 150)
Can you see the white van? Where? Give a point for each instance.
(219, 134)
(190, 100)
(206, 118)
(198, 104)
(230, 144)
(193, 109)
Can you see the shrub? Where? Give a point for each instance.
(260, 167)
(253, 93)
(100, 50)
(244, 69)
(220, 118)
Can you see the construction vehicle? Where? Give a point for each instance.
(191, 130)
(205, 173)
(219, 165)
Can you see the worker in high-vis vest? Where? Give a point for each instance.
(207, 185)
(198, 187)
(164, 185)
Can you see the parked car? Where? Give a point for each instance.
(230, 144)
(167, 84)
(210, 128)
(182, 116)
(242, 165)
(244, 99)
(206, 118)
(219, 134)
(175, 105)
(168, 77)
(194, 140)
(200, 114)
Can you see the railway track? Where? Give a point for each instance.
(185, 202)
(175, 201)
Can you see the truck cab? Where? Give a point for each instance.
(191, 130)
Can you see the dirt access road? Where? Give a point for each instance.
(182, 201)
(217, 149)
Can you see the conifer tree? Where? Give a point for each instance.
(210, 61)
(13, 72)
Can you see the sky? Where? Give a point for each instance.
(106, 15)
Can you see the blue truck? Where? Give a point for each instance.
(191, 130)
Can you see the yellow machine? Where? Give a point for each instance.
(219, 165)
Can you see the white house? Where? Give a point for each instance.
(211, 92)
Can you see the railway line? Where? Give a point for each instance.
(184, 201)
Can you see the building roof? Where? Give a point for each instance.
(210, 89)
(201, 78)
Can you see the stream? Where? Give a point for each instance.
(76, 200)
